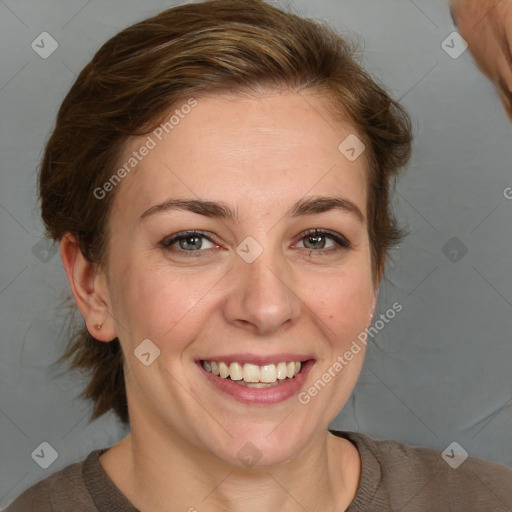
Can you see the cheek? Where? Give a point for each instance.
(344, 299)
(151, 302)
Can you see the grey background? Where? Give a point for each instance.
(445, 370)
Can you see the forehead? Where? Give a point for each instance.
(271, 148)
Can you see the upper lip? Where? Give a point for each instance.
(259, 360)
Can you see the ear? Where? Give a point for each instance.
(89, 287)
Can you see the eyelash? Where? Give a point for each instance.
(343, 243)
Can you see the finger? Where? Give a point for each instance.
(506, 100)
(504, 84)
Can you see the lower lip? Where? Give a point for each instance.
(264, 396)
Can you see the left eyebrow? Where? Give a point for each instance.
(321, 204)
(306, 206)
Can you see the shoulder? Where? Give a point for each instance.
(34, 498)
(61, 491)
(417, 477)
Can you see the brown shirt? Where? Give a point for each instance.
(394, 477)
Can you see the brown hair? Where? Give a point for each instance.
(210, 47)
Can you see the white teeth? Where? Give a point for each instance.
(215, 368)
(281, 371)
(290, 370)
(252, 373)
(224, 370)
(235, 371)
(258, 385)
(268, 373)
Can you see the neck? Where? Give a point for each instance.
(161, 471)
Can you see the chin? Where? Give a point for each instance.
(257, 448)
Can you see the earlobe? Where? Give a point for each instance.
(88, 286)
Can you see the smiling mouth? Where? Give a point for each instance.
(252, 375)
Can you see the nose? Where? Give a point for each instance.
(262, 298)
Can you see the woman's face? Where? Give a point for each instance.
(260, 290)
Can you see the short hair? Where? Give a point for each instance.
(211, 47)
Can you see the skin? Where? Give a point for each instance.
(259, 155)
(486, 25)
